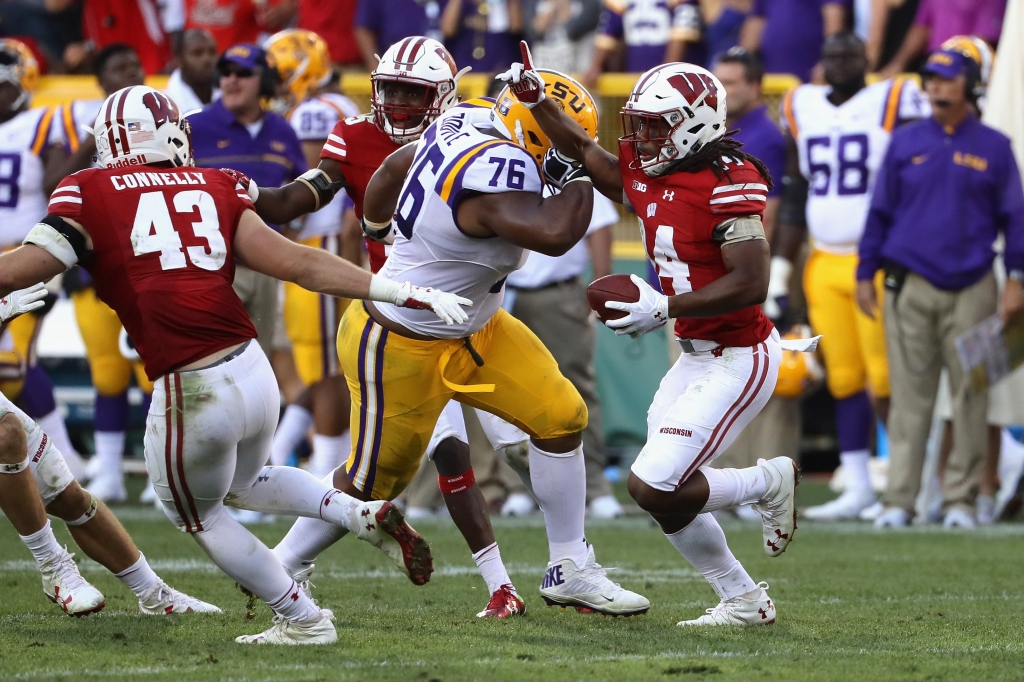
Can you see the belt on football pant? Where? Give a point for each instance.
(691, 346)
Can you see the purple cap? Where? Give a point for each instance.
(245, 55)
(946, 64)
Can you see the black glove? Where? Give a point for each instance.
(560, 170)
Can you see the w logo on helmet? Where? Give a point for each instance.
(692, 85)
(161, 106)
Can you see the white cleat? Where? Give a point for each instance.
(108, 487)
(163, 599)
(589, 590)
(148, 494)
(958, 518)
(778, 506)
(846, 507)
(605, 507)
(382, 524)
(65, 586)
(893, 517)
(319, 630)
(872, 512)
(518, 504)
(753, 608)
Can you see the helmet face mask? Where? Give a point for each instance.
(142, 126)
(649, 137)
(402, 106)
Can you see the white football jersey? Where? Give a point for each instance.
(72, 120)
(23, 139)
(841, 149)
(312, 121)
(458, 153)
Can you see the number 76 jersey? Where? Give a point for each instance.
(841, 149)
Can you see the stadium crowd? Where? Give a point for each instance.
(875, 244)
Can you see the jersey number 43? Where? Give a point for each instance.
(153, 231)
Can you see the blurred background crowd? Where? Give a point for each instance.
(946, 461)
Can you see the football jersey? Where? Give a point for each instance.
(313, 120)
(456, 156)
(162, 256)
(70, 119)
(23, 139)
(678, 214)
(841, 149)
(360, 148)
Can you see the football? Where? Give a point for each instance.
(611, 288)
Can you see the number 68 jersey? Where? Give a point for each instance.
(162, 256)
(841, 149)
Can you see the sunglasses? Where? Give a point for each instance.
(237, 72)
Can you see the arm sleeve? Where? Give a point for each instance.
(1011, 211)
(490, 168)
(884, 196)
(740, 192)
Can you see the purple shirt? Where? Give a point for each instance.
(948, 18)
(499, 50)
(393, 20)
(793, 34)
(939, 201)
(645, 26)
(763, 139)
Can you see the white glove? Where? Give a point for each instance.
(22, 301)
(523, 80)
(446, 306)
(778, 288)
(650, 312)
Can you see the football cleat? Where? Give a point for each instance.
(753, 608)
(518, 504)
(108, 487)
(588, 589)
(319, 630)
(504, 603)
(163, 599)
(958, 518)
(65, 586)
(382, 524)
(605, 507)
(304, 579)
(846, 507)
(893, 517)
(778, 506)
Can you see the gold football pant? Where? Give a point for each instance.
(311, 321)
(100, 327)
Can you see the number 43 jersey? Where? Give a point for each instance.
(841, 149)
(162, 256)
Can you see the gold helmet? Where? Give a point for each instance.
(18, 66)
(978, 51)
(799, 373)
(523, 129)
(302, 60)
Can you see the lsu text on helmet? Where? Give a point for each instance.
(799, 373)
(19, 67)
(981, 53)
(522, 127)
(422, 63)
(139, 125)
(673, 111)
(303, 63)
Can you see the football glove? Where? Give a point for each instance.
(523, 80)
(407, 295)
(22, 301)
(649, 313)
(559, 170)
(244, 183)
(319, 183)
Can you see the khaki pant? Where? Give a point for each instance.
(921, 326)
(775, 432)
(259, 296)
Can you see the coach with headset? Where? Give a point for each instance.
(947, 187)
(236, 132)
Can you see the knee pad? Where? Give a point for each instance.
(517, 456)
(451, 485)
(89, 512)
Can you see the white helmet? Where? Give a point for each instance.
(416, 61)
(681, 107)
(138, 125)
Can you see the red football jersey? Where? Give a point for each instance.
(162, 256)
(359, 161)
(679, 212)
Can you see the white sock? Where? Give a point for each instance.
(488, 560)
(287, 490)
(307, 539)
(560, 486)
(293, 427)
(329, 452)
(55, 429)
(139, 577)
(295, 605)
(731, 487)
(109, 451)
(42, 543)
(702, 543)
(855, 470)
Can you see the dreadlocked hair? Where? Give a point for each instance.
(711, 154)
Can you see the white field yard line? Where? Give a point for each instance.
(771, 653)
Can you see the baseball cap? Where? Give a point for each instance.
(244, 55)
(946, 64)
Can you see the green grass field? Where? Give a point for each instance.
(853, 605)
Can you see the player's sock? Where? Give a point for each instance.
(109, 451)
(488, 560)
(42, 543)
(53, 426)
(139, 577)
(293, 427)
(329, 452)
(305, 541)
(703, 544)
(287, 490)
(855, 470)
(295, 605)
(560, 486)
(732, 487)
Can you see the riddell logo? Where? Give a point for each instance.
(133, 161)
(673, 431)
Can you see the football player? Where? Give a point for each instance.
(117, 66)
(159, 238)
(47, 487)
(700, 199)
(29, 162)
(837, 135)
